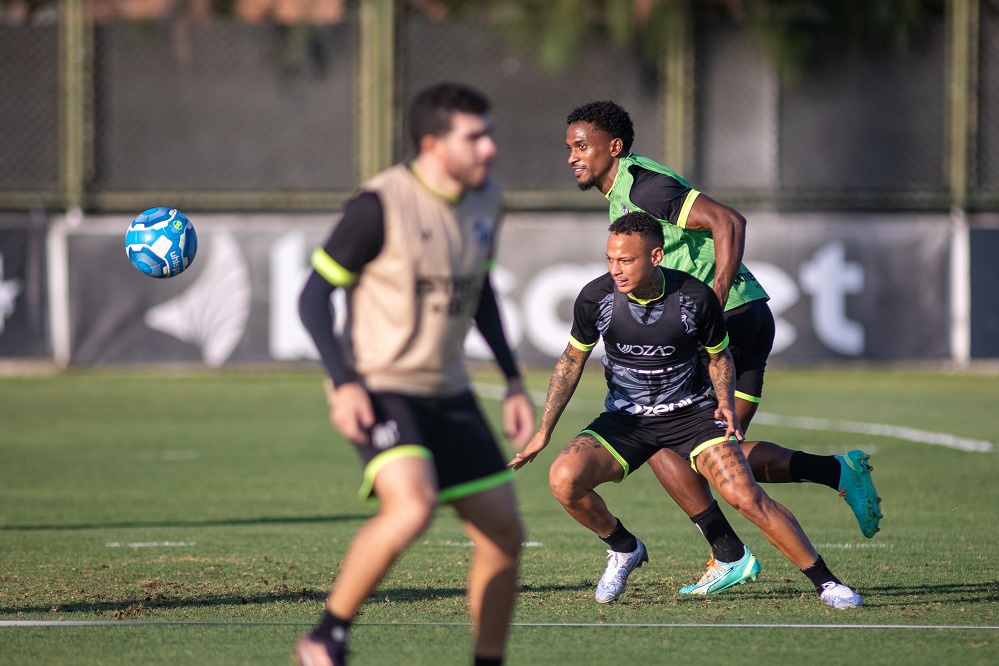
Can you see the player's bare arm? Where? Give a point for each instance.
(721, 369)
(565, 377)
(518, 413)
(728, 231)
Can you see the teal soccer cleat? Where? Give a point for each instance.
(856, 487)
(720, 576)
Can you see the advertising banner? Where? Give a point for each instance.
(22, 287)
(984, 279)
(871, 287)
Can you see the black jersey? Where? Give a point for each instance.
(652, 359)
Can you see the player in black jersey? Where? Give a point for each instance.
(655, 322)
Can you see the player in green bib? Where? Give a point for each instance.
(706, 239)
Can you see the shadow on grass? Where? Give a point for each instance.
(127, 609)
(884, 596)
(223, 522)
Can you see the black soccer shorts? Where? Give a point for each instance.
(632, 439)
(451, 432)
(751, 331)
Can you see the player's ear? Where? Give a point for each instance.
(427, 143)
(616, 147)
(657, 256)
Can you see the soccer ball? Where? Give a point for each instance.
(161, 242)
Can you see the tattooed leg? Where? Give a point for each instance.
(582, 466)
(725, 467)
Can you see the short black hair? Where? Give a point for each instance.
(607, 117)
(431, 110)
(641, 223)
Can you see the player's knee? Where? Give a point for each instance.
(414, 516)
(563, 480)
(748, 500)
(510, 536)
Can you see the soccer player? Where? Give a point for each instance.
(414, 250)
(706, 239)
(654, 322)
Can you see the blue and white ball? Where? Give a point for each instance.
(161, 242)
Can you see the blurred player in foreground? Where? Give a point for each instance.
(414, 250)
(706, 239)
(654, 323)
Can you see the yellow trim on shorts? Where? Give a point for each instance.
(704, 445)
(474, 487)
(748, 398)
(688, 203)
(719, 347)
(379, 462)
(335, 274)
(581, 346)
(617, 456)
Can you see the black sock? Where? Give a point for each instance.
(820, 575)
(726, 546)
(331, 629)
(488, 661)
(815, 469)
(621, 540)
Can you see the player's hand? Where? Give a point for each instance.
(732, 428)
(518, 414)
(530, 452)
(350, 410)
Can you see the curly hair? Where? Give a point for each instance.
(642, 224)
(607, 117)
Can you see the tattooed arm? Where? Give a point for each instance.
(565, 378)
(721, 369)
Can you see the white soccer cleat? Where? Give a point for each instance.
(619, 567)
(837, 595)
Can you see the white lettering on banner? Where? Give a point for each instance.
(827, 277)
(551, 287)
(783, 294)
(9, 291)
(543, 316)
(214, 311)
(504, 282)
(288, 339)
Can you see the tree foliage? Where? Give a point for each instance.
(792, 32)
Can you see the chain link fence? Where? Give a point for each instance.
(248, 104)
(29, 106)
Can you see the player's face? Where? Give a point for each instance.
(633, 264)
(467, 151)
(592, 155)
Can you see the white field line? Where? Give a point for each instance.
(494, 392)
(469, 544)
(152, 544)
(608, 625)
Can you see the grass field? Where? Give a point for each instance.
(200, 519)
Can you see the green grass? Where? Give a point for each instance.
(242, 474)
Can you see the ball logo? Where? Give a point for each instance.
(385, 435)
(178, 225)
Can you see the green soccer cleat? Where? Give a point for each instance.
(856, 487)
(720, 576)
